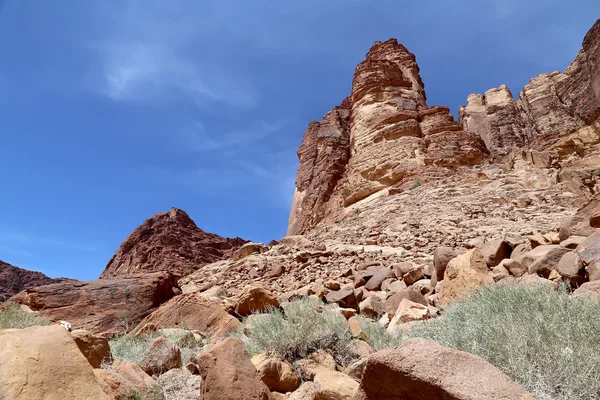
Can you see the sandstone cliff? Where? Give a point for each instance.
(384, 161)
(169, 241)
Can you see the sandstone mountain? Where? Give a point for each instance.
(169, 241)
(385, 168)
(14, 279)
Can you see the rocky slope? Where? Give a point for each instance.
(169, 241)
(385, 168)
(14, 279)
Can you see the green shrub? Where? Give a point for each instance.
(546, 340)
(415, 185)
(378, 336)
(305, 326)
(136, 348)
(13, 317)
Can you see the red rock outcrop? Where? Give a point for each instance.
(378, 136)
(104, 307)
(169, 241)
(557, 111)
(14, 280)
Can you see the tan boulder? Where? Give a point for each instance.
(465, 273)
(413, 275)
(43, 362)
(571, 268)
(255, 298)
(248, 249)
(421, 369)
(192, 312)
(345, 297)
(307, 391)
(499, 272)
(308, 366)
(372, 306)
(357, 368)
(589, 289)
(408, 311)
(543, 259)
(356, 329)
(334, 385)
(374, 283)
(121, 387)
(227, 373)
(589, 252)
(94, 348)
(279, 376)
(441, 258)
(162, 357)
(392, 303)
(495, 251)
(585, 222)
(513, 267)
(134, 375)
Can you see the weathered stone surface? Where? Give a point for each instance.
(392, 303)
(45, 363)
(279, 376)
(308, 366)
(571, 268)
(543, 259)
(585, 221)
(408, 311)
(163, 356)
(346, 298)
(103, 307)
(495, 251)
(14, 280)
(463, 274)
(441, 257)
(94, 348)
(589, 253)
(589, 289)
(334, 385)
(421, 369)
(126, 379)
(192, 312)
(248, 249)
(374, 283)
(169, 241)
(255, 298)
(227, 373)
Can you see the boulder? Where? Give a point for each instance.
(120, 386)
(279, 376)
(43, 362)
(162, 357)
(421, 369)
(334, 385)
(392, 303)
(589, 289)
(255, 298)
(495, 251)
(571, 267)
(543, 259)
(441, 258)
(465, 273)
(308, 366)
(193, 312)
(374, 283)
(372, 307)
(572, 242)
(413, 275)
(408, 311)
(227, 373)
(345, 297)
(307, 391)
(103, 307)
(585, 222)
(513, 267)
(94, 348)
(589, 252)
(248, 249)
(499, 272)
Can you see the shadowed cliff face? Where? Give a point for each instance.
(169, 241)
(384, 134)
(13, 280)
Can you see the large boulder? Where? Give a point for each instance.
(441, 258)
(255, 298)
(392, 302)
(279, 376)
(465, 273)
(103, 307)
(163, 356)
(543, 259)
(126, 381)
(227, 373)
(421, 369)
(45, 363)
(585, 222)
(193, 312)
(94, 348)
(589, 252)
(334, 385)
(169, 241)
(589, 289)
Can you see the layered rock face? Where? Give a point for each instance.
(377, 137)
(169, 241)
(550, 108)
(13, 280)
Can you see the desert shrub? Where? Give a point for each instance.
(546, 340)
(136, 348)
(305, 326)
(415, 185)
(378, 336)
(155, 393)
(13, 317)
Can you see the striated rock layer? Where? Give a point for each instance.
(169, 241)
(14, 280)
(380, 135)
(384, 141)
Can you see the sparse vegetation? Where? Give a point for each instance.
(545, 340)
(305, 326)
(378, 336)
(12, 316)
(154, 393)
(136, 348)
(415, 185)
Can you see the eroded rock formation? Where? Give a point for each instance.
(14, 280)
(169, 241)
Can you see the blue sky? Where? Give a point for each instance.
(111, 111)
